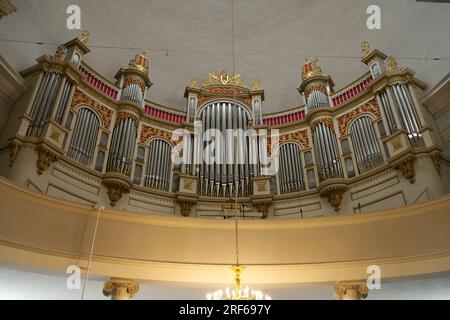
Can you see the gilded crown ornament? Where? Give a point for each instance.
(85, 37)
(365, 48)
(310, 69)
(140, 63)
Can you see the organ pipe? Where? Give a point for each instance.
(327, 153)
(159, 165)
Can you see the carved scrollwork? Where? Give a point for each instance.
(115, 190)
(45, 158)
(406, 166)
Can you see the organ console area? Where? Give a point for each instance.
(77, 135)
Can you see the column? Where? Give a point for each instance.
(120, 289)
(350, 290)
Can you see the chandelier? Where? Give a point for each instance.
(237, 293)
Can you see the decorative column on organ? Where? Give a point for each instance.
(134, 81)
(316, 88)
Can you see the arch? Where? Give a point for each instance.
(290, 175)
(83, 106)
(158, 164)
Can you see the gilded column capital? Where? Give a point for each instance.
(120, 289)
(351, 290)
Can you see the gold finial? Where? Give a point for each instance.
(60, 52)
(365, 48)
(194, 83)
(256, 86)
(310, 69)
(85, 37)
(392, 64)
(140, 62)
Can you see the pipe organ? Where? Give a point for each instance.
(327, 145)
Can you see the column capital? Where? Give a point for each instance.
(351, 290)
(120, 289)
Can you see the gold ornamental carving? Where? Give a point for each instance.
(45, 158)
(60, 53)
(334, 196)
(140, 63)
(194, 83)
(326, 121)
(298, 136)
(392, 64)
(406, 167)
(261, 186)
(116, 190)
(244, 100)
(55, 135)
(120, 289)
(148, 132)
(188, 184)
(263, 207)
(186, 206)
(365, 48)
(81, 99)
(369, 107)
(436, 158)
(256, 86)
(352, 290)
(14, 149)
(317, 86)
(397, 143)
(224, 79)
(310, 69)
(123, 115)
(134, 80)
(85, 37)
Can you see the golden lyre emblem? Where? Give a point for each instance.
(224, 77)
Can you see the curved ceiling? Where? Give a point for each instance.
(272, 39)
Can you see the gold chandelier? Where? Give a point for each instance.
(238, 293)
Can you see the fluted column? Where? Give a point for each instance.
(351, 290)
(120, 289)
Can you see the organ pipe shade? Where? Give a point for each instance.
(388, 111)
(217, 171)
(84, 136)
(63, 103)
(317, 99)
(159, 165)
(291, 172)
(132, 92)
(41, 107)
(327, 154)
(365, 144)
(122, 147)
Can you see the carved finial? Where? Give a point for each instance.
(224, 79)
(140, 62)
(60, 52)
(256, 85)
(365, 48)
(310, 69)
(194, 83)
(85, 37)
(392, 64)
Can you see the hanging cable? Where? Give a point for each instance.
(100, 208)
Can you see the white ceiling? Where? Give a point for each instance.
(18, 282)
(272, 39)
